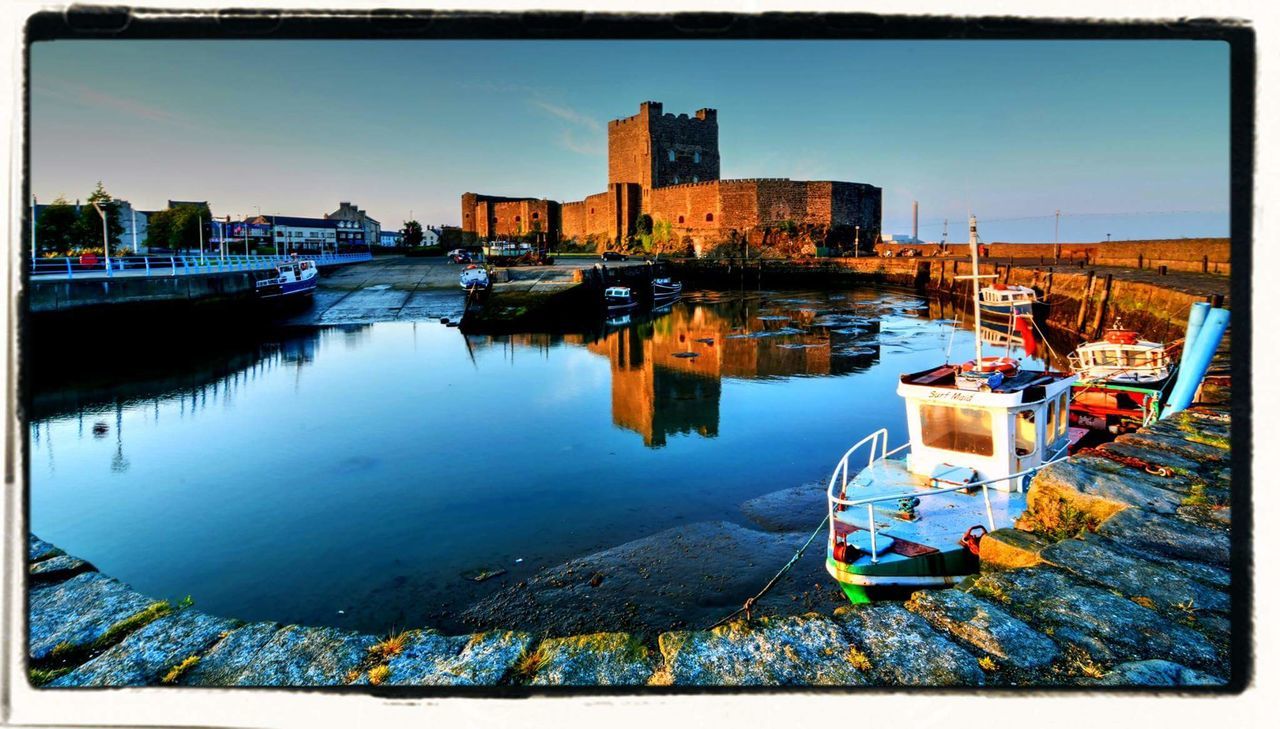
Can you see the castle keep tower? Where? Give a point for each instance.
(651, 149)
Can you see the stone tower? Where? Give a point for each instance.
(652, 149)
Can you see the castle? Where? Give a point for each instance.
(668, 168)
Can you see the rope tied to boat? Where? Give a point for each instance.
(1132, 461)
(751, 601)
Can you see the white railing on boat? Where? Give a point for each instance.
(882, 437)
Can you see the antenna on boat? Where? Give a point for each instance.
(977, 300)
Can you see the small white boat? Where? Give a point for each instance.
(295, 278)
(999, 301)
(665, 288)
(618, 299)
(1121, 358)
(976, 434)
(474, 277)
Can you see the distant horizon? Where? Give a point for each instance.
(1129, 138)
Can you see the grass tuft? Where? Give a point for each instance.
(177, 671)
(858, 659)
(379, 673)
(152, 612)
(353, 675)
(988, 664)
(390, 646)
(528, 665)
(41, 676)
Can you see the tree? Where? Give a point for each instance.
(178, 227)
(56, 227)
(412, 233)
(88, 230)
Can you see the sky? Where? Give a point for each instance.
(1129, 138)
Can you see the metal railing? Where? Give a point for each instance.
(174, 265)
(881, 437)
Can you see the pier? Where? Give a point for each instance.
(1115, 577)
(66, 284)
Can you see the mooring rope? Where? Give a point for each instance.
(746, 606)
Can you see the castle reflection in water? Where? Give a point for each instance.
(667, 370)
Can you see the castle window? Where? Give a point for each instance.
(709, 217)
(697, 156)
(517, 218)
(695, 178)
(535, 216)
(680, 220)
(671, 155)
(677, 179)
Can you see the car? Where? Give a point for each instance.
(458, 255)
(613, 256)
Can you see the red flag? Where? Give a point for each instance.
(1028, 337)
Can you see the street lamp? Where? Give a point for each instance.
(1108, 237)
(106, 245)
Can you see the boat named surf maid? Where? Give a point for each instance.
(913, 515)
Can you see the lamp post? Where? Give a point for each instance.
(106, 245)
(33, 232)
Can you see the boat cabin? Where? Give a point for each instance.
(1002, 295)
(959, 434)
(618, 292)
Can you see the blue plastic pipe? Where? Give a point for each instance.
(1195, 320)
(1196, 361)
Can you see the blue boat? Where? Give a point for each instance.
(1000, 302)
(292, 279)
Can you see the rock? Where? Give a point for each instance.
(38, 549)
(1167, 459)
(601, 659)
(1107, 627)
(1006, 549)
(231, 656)
(55, 569)
(1138, 579)
(797, 509)
(1169, 537)
(78, 611)
(297, 656)
(904, 650)
(1095, 488)
(1204, 573)
(146, 655)
(432, 659)
(986, 628)
(688, 575)
(795, 651)
(1198, 452)
(1154, 673)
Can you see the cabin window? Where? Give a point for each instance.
(964, 430)
(1024, 433)
(1064, 412)
(1051, 425)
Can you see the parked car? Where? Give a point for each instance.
(613, 256)
(458, 255)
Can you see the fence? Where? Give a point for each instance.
(175, 265)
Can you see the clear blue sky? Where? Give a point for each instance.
(1011, 130)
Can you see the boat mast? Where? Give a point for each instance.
(977, 300)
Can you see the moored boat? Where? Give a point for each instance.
(977, 432)
(618, 299)
(1122, 381)
(293, 279)
(664, 288)
(474, 277)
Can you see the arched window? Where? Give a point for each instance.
(517, 218)
(695, 178)
(671, 155)
(593, 211)
(709, 217)
(680, 219)
(697, 157)
(535, 216)
(677, 179)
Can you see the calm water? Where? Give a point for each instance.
(351, 476)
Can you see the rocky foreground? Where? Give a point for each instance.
(1119, 575)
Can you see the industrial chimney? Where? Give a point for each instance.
(915, 221)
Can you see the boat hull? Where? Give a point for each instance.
(290, 289)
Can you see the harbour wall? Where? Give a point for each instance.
(1189, 255)
(1080, 300)
(1116, 577)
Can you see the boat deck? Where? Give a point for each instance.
(944, 517)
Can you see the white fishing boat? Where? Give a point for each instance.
(474, 277)
(1122, 358)
(913, 516)
(999, 301)
(294, 278)
(618, 299)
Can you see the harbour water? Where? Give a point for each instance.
(356, 476)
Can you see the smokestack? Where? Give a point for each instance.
(915, 221)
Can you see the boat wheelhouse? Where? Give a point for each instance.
(913, 516)
(293, 279)
(999, 300)
(618, 299)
